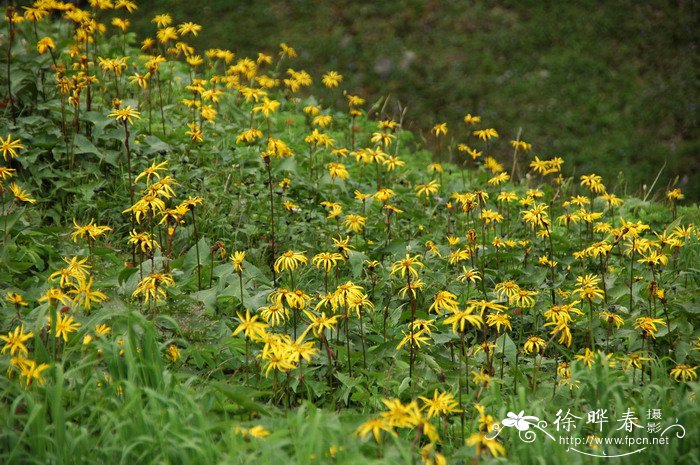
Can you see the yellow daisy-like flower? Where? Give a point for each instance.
(16, 298)
(14, 341)
(44, 45)
(374, 426)
(20, 194)
(408, 264)
(482, 444)
(290, 260)
(125, 115)
(31, 371)
(443, 403)
(534, 344)
(66, 325)
(173, 353)
(648, 325)
(237, 260)
(684, 373)
(440, 129)
(486, 134)
(327, 260)
(428, 189)
(332, 79)
(9, 147)
(250, 327)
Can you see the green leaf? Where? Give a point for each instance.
(242, 396)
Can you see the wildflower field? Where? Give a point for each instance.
(206, 260)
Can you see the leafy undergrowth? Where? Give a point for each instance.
(204, 264)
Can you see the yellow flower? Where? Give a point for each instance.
(498, 320)
(163, 20)
(167, 34)
(120, 23)
(612, 319)
(427, 189)
(249, 136)
(143, 241)
(14, 341)
(507, 289)
(129, 5)
(588, 357)
(290, 260)
(152, 171)
(267, 107)
(534, 344)
(332, 79)
(53, 296)
(274, 315)
(408, 264)
(635, 360)
(195, 132)
(319, 323)
(444, 300)
(440, 129)
(173, 353)
(486, 134)
(383, 138)
(250, 327)
(472, 119)
(674, 194)
(521, 145)
(153, 287)
(524, 298)
(337, 170)
(648, 325)
(83, 294)
(415, 338)
(499, 179)
(684, 373)
(6, 173)
(258, 432)
(35, 14)
(561, 328)
(287, 51)
(237, 260)
(384, 194)
(482, 444)
(88, 231)
(400, 415)
(16, 298)
(189, 28)
(20, 194)
(355, 101)
(125, 115)
(334, 209)
(537, 216)
(460, 318)
(587, 287)
(327, 260)
(45, 44)
(65, 325)
(374, 426)
(593, 182)
(355, 223)
(440, 404)
(469, 275)
(31, 371)
(102, 329)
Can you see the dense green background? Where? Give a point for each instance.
(610, 86)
